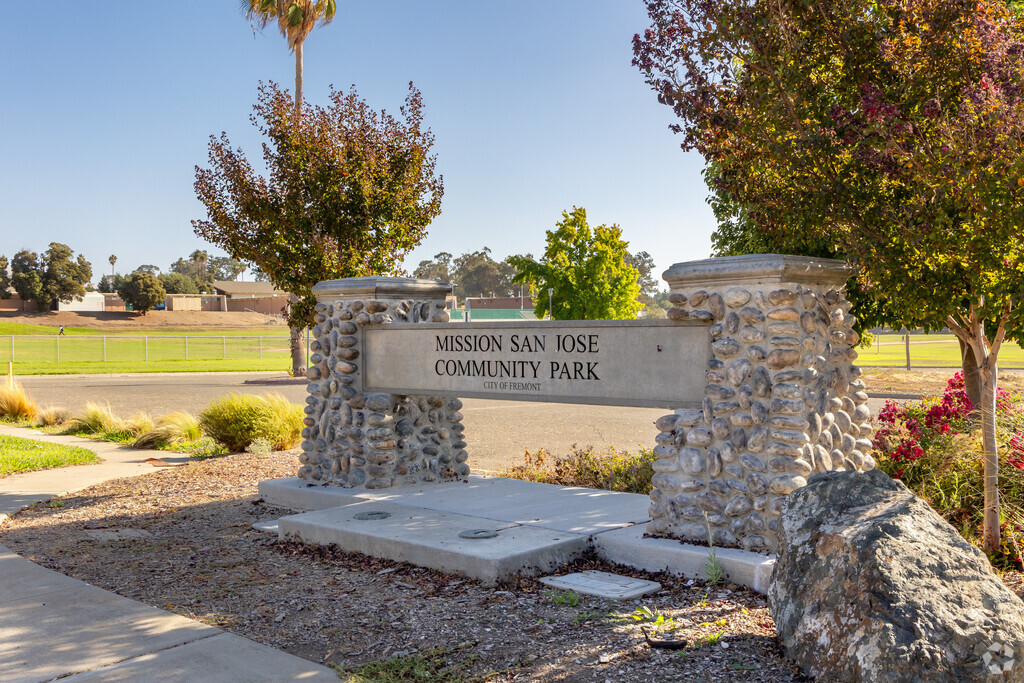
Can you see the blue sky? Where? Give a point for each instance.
(534, 105)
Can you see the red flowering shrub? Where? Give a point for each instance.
(933, 446)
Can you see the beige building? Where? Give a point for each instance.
(258, 297)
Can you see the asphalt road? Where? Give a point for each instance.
(498, 432)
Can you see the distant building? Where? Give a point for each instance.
(258, 297)
(92, 301)
(17, 304)
(195, 302)
(479, 308)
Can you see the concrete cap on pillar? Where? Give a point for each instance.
(757, 269)
(383, 288)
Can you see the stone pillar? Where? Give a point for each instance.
(782, 400)
(373, 441)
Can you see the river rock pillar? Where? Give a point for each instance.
(374, 440)
(782, 399)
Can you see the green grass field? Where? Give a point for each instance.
(37, 349)
(932, 350)
(26, 455)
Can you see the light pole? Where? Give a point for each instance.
(551, 316)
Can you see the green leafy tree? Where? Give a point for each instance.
(296, 19)
(176, 283)
(477, 274)
(440, 268)
(587, 268)
(56, 276)
(26, 277)
(348, 194)
(143, 291)
(148, 268)
(225, 268)
(66, 276)
(5, 279)
(644, 264)
(891, 132)
(111, 284)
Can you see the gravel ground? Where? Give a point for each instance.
(182, 539)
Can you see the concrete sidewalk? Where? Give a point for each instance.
(52, 626)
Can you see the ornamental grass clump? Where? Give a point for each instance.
(15, 403)
(52, 416)
(173, 429)
(236, 420)
(611, 471)
(95, 419)
(935, 448)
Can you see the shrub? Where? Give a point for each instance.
(260, 447)
(95, 419)
(15, 403)
(935, 449)
(135, 426)
(51, 416)
(612, 471)
(236, 420)
(170, 430)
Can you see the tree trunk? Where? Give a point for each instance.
(990, 458)
(297, 348)
(298, 86)
(298, 352)
(972, 376)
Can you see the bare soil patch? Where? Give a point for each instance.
(192, 550)
(925, 382)
(121, 320)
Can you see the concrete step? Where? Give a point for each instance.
(430, 538)
(561, 508)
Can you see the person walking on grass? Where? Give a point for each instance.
(61, 331)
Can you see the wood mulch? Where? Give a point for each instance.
(192, 550)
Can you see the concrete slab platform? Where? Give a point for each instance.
(54, 625)
(296, 494)
(603, 584)
(560, 508)
(430, 538)
(224, 658)
(629, 547)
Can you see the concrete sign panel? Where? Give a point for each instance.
(658, 363)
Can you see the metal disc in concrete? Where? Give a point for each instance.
(603, 584)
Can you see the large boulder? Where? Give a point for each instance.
(872, 585)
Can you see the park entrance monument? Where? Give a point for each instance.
(755, 362)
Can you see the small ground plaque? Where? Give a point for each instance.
(603, 584)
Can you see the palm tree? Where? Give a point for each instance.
(296, 19)
(113, 260)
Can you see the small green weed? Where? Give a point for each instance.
(581, 618)
(652, 616)
(260, 447)
(564, 598)
(714, 572)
